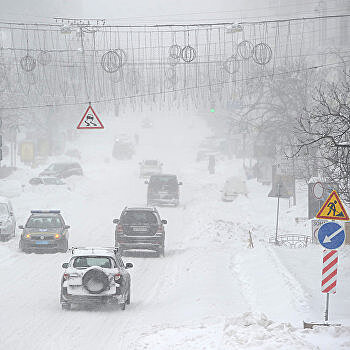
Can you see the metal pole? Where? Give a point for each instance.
(327, 307)
(278, 209)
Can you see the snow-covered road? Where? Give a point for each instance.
(208, 292)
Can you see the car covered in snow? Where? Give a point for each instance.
(95, 276)
(62, 170)
(45, 230)
(140, 228)
(163, 189)
(123, 147)
(233, 187)
(7, 220)
(150, 167)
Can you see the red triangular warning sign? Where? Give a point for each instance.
(333, 209)
(90, 120)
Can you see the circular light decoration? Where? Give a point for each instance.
(175, 51)
(245, 49)
(232, 65)
(111, 61)
(173, 60)
(262, 54)
(28, 63)
(188, 54)
(122, 54)
(44, 58)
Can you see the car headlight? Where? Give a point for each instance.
(27, 236)
(57, 236)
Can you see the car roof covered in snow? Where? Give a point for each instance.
(92, 251)
(141, 208)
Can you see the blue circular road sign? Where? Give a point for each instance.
(331, 235)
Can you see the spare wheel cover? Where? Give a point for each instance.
(95, 281)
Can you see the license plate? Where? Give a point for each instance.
(140, 229)
(42, 242)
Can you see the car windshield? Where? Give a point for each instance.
(57, 166)
(138, 217)
(164, 183)
(84, 262)
(3, 209)
(44, 222)
(151, 162)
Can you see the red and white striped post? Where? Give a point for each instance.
(329, 274)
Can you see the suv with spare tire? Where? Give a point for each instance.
(95, 276)
(140, 228)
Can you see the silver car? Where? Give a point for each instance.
(7, 220)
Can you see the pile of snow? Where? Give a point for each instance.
(253, 331)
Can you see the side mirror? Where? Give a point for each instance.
(115, 221)
(65, 265)
(164, 222)
(146, 182)
(66, 227)
(128, 265)
(180, 183)
(21, 227)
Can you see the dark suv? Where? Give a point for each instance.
(62, 170)
(140, 228)
(163, 190)
(45, 230)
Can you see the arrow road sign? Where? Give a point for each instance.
(331, 235)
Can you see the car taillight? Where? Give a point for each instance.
(116, 277)
(66, 276)
(27, 235)
(57, 236)
(120, 228)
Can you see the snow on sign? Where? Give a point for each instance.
(331, 235)
(332, 209)
(90, 120)
(329, 271)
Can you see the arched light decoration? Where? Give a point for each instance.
(28, 63)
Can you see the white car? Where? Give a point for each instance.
(150, 167)
(7, 220)
(95, 276)
(233, 187)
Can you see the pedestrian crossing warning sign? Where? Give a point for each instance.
(333, 209)
(90, 120)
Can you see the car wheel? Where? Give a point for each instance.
(162, 250)
(122, 306)
(65, 247)
(66, 306)
(121, 251)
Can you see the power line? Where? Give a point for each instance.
(174, 90)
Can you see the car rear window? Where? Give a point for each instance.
(44, 222)
(164, 182)
(84, 262)
(138, 217)
(151, 162)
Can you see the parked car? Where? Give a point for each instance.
(233, 187)
(62, 170)
(163, 190)
(150, 167)
(140, 228)
(95, 276)
(45, 230)
(7, 220)
(123, 148)
(46, 181)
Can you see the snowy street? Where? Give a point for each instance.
(210, 291)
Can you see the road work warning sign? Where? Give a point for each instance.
(333, 209)
(90, 120)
